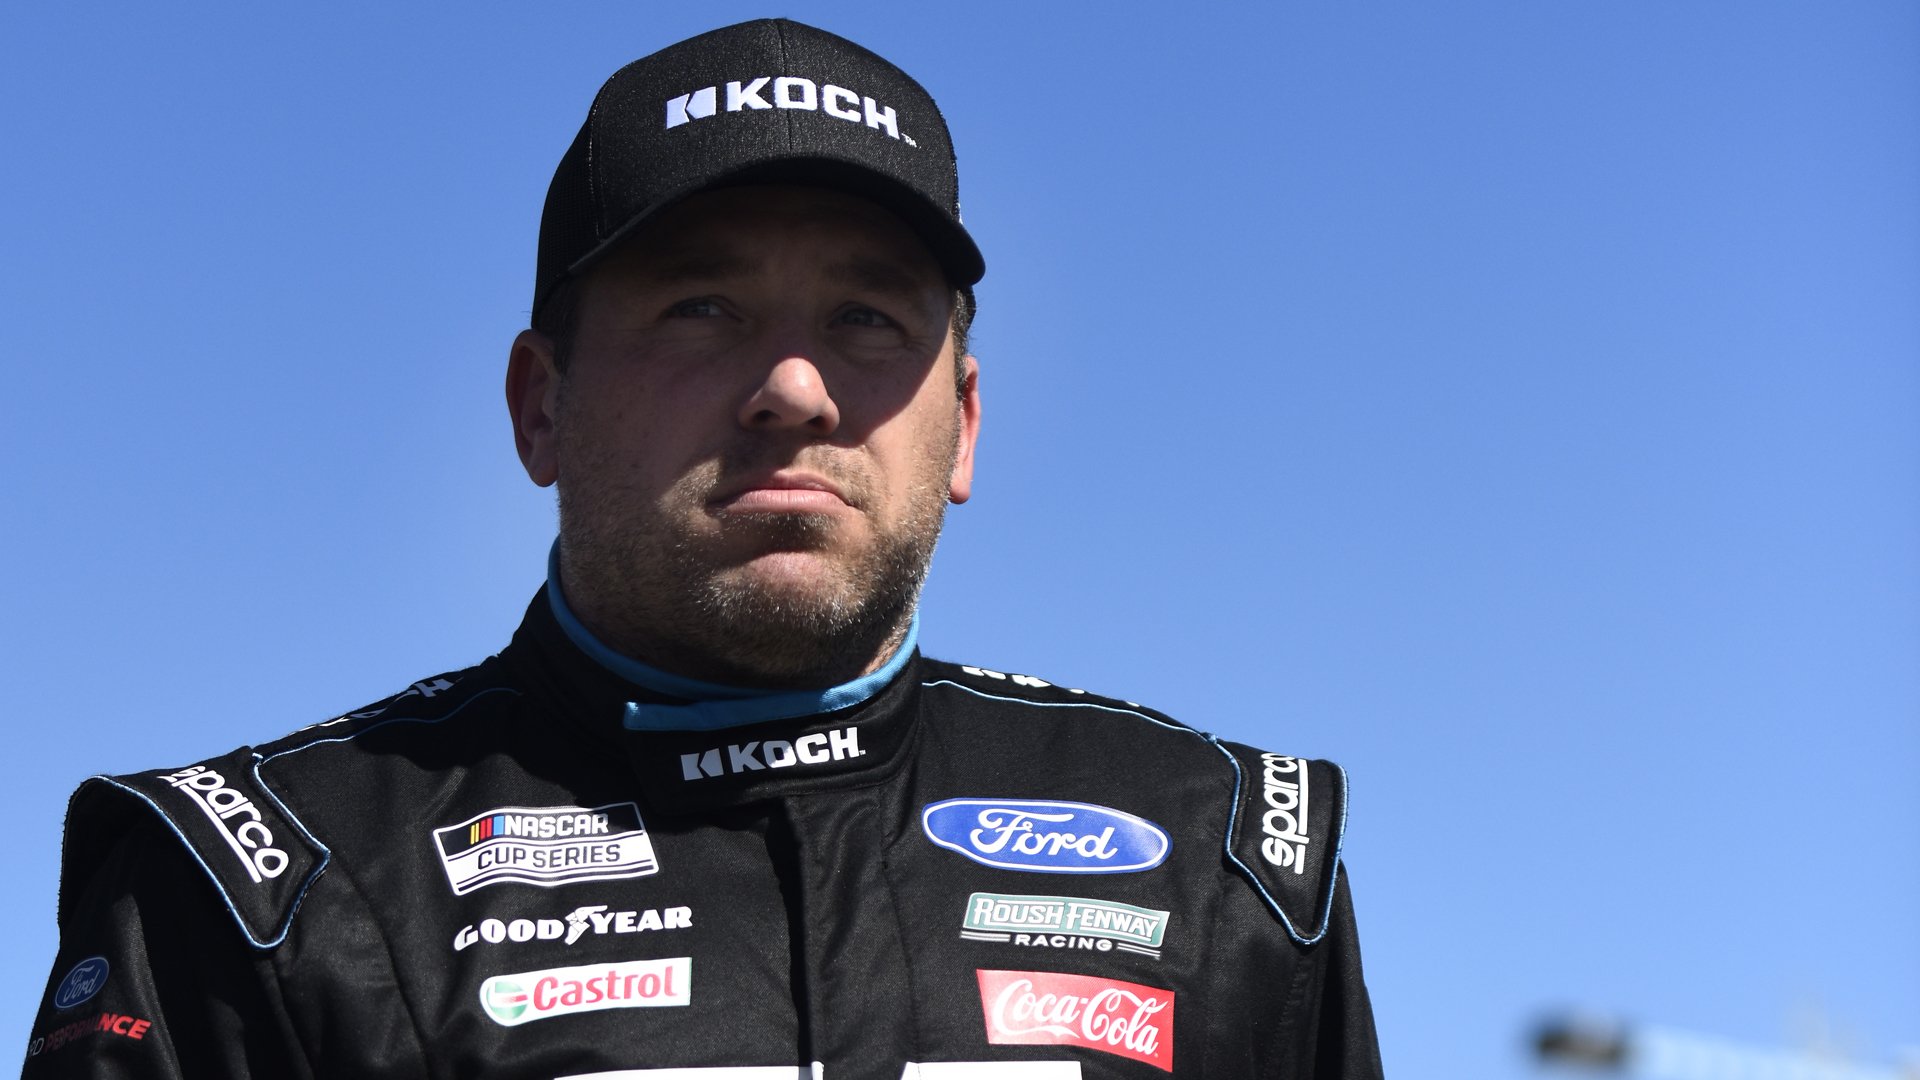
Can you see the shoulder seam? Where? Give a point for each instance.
(1339, 840)
(378, 724)
(1134, 711)
(279, 933)
(226, 899)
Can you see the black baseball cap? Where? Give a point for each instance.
(769, 101)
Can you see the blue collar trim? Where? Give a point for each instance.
(712, 706)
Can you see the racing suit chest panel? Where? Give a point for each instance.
(528, 889)
(1043, 853)
(538, 922)
(966, 867)
(855, 985)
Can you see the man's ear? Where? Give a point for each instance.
(960, 488)
(533, 389)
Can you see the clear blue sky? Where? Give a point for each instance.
(1517, 402)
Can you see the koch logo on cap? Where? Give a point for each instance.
(771, 101)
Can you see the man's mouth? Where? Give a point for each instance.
(782, 492)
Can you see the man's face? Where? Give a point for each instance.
(755, 437)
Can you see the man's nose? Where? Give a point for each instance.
(791, 396)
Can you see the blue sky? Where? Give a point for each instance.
(1518, 403)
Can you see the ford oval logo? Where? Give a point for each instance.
(1046, 837)
(84, 981)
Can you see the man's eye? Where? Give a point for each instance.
(865, 316)
(700, 308)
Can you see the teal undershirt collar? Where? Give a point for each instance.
(711, 706)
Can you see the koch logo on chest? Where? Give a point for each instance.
(545, 846)
(1045, 836)
(772, 755)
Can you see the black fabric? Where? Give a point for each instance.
(711, 110)
(1286, 805)
(822, 909)
(262, 859)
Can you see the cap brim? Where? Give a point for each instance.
(948, 242)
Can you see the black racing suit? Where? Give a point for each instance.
(540, 868)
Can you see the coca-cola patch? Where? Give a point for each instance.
(1048, 1008)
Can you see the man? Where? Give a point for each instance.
(710, 809)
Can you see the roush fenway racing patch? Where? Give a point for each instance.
(1052, 1009)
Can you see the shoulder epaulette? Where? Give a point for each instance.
(260, 858)
(1288, 818)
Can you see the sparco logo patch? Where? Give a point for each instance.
(1046, 837)
(1063, 922)
(1285, 822)
(82, 982)
(785, 92)
(1050, 1009)
(581, 921)
(815, 749)
(512, 1000)
(546, 846)
(237, 819)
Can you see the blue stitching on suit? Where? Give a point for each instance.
(1339, 840)
(326, 853)
(219, 887)
(391, 720)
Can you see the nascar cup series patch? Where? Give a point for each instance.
(546, 846)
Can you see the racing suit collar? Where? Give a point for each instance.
(854, 740)
(707, 706)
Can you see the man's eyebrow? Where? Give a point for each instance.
(879, 275)
(676, 268)
(885, 276)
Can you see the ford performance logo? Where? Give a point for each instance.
(84, 981)
(1046, 837)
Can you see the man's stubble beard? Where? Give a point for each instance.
(661, 592)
